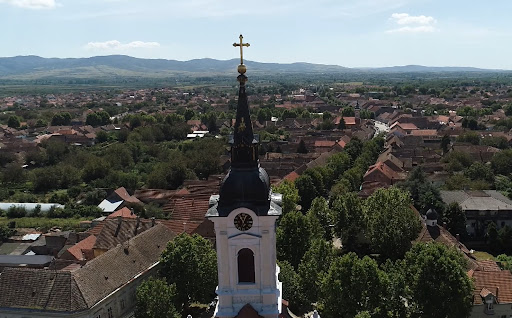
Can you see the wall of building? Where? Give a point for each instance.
(121, 302)
(500, 311)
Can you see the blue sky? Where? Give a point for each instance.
(352, 33)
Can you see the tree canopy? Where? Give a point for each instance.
(190, 262)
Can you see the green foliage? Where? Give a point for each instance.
(5, 233)
(14, 122)
(314, 265)
(457, 161)
(61, 119)
(320, 214)
(391, 223)
(479, 171)
(155, 299)
(352, 285)
(16, 212)
(501, 162)
(190, 262)
(290, 195)
(302, 147)
(470, 136)
(293, 237)
(424, 195)
(292, 289)
(454, 219)
(307, 190)
(349, 221)
(98, 119)
(438, 282)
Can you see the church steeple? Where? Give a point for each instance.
(244, 144)
(245, 213)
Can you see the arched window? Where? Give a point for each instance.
(246, 266)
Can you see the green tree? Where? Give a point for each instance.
(292, 289)
(339, 163)
(391, 223)
(457, 160)
(350, 286)
(349, 221)
(293, 237)
(314, 265)
(61, 119)
(438, 281)
(190, 262)
(5, 233)
(307, 191)
(302, 147)
(454, 219)
(321, 212)
(290, 195)
(501, 162)
(155, 299)
(445, 143)
(479, 171)
(95, 168)
(14, 122)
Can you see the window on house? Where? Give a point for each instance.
(123, 304)
(110, 313)
(246, 266)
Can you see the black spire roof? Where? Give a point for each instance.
(244, 144)
(246, 184)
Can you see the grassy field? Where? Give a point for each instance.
(43, 223)
(482, 256)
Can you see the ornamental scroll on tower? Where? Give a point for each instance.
(244, 215)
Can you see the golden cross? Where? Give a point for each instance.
(241, 45)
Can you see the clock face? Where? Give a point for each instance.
(243, 222)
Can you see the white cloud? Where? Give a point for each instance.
(116, 45)
(31, 4)
(413, 29)
(412, 23)
(405, 18)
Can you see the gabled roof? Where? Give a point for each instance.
(124, 195)
(124, 213)
(491, 281)
(120, 265)
(82, 250)
(119, 230)
(384, 169)
(40, 289)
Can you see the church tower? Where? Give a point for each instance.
(245, 214)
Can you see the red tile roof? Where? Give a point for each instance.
(324, 143)
(123, 194)
(82, 250)
(492, 281)
(124, 213)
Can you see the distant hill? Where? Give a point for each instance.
(35, 67)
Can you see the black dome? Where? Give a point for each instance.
(250, 186)
(432, 215)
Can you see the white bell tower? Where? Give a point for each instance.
(245, 214)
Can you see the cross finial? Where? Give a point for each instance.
(241, 45)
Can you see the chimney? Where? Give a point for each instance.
(458, 237)
(131, 211)
(152, 221)
(119, 220)
(497, 295)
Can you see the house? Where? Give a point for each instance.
(481, 207)
(104, 287)
(117, 231)
(492, 293)
(117, 200)
(381, 172)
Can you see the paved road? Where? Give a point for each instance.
(380, 127)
